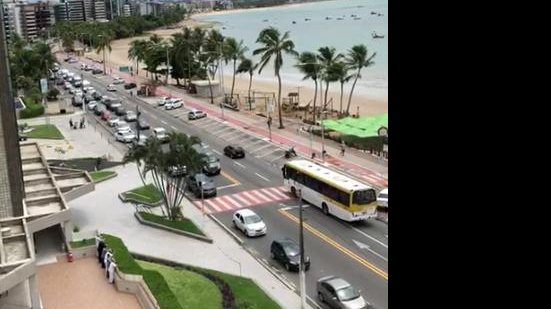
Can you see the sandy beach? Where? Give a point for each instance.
(368, 105)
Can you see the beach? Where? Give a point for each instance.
(368, 104)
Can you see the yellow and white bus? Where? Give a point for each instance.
(333, 192)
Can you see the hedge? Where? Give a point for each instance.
(32, 109)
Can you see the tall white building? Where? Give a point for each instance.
(27, 19)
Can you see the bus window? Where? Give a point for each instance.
(364, 197)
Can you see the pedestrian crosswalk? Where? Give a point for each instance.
(243, 199)
(371, 177)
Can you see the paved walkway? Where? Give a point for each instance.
(374, 170)
(80, 284)
(103, 210)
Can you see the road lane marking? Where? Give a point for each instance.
(174, 128)
(217, 152)
(220, 131)
(228, 199)
(212, 205)
(270, 194)
(336, 245)
(164, 122)
(257, 174)
(261, 196)
(279, 192)
(252, 198)
(268, 153)
(242, 200)
(237, 163)
(258, 149)
(235, 181)
(228, 186)
(362, 246)
(370, 237)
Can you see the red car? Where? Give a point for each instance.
(105, 115)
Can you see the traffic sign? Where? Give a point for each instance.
(44, 85)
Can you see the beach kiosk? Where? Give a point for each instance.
(202, 87)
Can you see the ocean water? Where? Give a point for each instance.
(341, 31)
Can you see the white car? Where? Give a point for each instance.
(118, 80)
(382, 198)
(249, 222)
(72, 90)
(113, 121)
(91, 105)
(173, 104)
(111, 87)
(160, 134)
(122, 126)
(196, 114)
(125, 137)
(130, 116)
(163, 101)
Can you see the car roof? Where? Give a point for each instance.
(384, 191)
(337, 283)
(287, 241)
(159, 129)
(245, 212)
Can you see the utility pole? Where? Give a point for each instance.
(167, 64)
(302, 275)
(270, 126)
(138, 113)
(322, 136)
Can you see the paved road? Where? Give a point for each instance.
(357, 252)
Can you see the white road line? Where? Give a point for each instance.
(261, 196)
(227, 133)
(223, 203)
(257, 174)
(212, 205)
(278, 192)
(164, 122)
(270, 194)
(174, 128)
(268, 145)
(228, 186)
(242, 200)
(262, 156)
(377, 254)
(237, 163)
(220, 131)
(252, 198)
(229, 139)
(370, 237)
(228, 199)
(216, 152)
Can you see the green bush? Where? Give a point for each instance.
(125, 261)
(371, 143)
(52, 94)
(33, 109)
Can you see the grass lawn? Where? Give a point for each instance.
(48, 131)
(245, 290)
(191, 289)
(83, 243)
(99, 176)
(183, 225)
(147, 194)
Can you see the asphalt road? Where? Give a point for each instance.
(357, 252)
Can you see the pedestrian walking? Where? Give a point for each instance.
(342, 150)
(71, 123)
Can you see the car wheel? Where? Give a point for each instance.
(320, 297)
(325, 209)
(294, 191)
(272, 255)
(287, 266)
(246, 232)
(234, 224)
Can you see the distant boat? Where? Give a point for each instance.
(380, 14)
(294, 22)
(377, 36)
(357, 18)
(340, 18)
(265, 20)
(373, 13)
(327, 18)
(306, 19)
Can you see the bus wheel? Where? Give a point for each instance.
(294, 191)
(325, 209)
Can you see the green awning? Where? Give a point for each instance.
(361, 127)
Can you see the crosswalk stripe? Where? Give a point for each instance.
(271, 195)
(212, 205)
(251, 197)
(244, 201)
(221, 202)
(279, 193)
(231, 201)
(261, 196)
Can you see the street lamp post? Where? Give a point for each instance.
(167, 64)
(310, 133)
(322, 137)
(138, 113)
(302, 274)
(270, 126)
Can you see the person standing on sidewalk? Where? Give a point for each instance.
(70, 123)
(342, 149)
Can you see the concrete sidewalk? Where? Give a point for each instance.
(103, 210)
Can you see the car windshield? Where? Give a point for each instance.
(252, 219)
(383, 195)
(291, 249)
(211, 158)
(201, 178)
(364, 197)
(348, 293)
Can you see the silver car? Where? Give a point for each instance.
(338, 293)
(125, 137)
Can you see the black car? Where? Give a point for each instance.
(287, 252)
(120, 111)
(97, 71)
(97, 96)
(234, 151)
(130, 86)
(195, 182)
(177, 170)
(143, 125)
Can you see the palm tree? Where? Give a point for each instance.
(327, 57)
(103, 43)
(339, 70)
(311, 68)
(247, 65)
(155, 159)
(232, 50)
(275, 46)
(137, 52)
(358, 59)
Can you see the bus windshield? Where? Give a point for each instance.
(364, 197)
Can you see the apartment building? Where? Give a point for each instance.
(26, 19)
